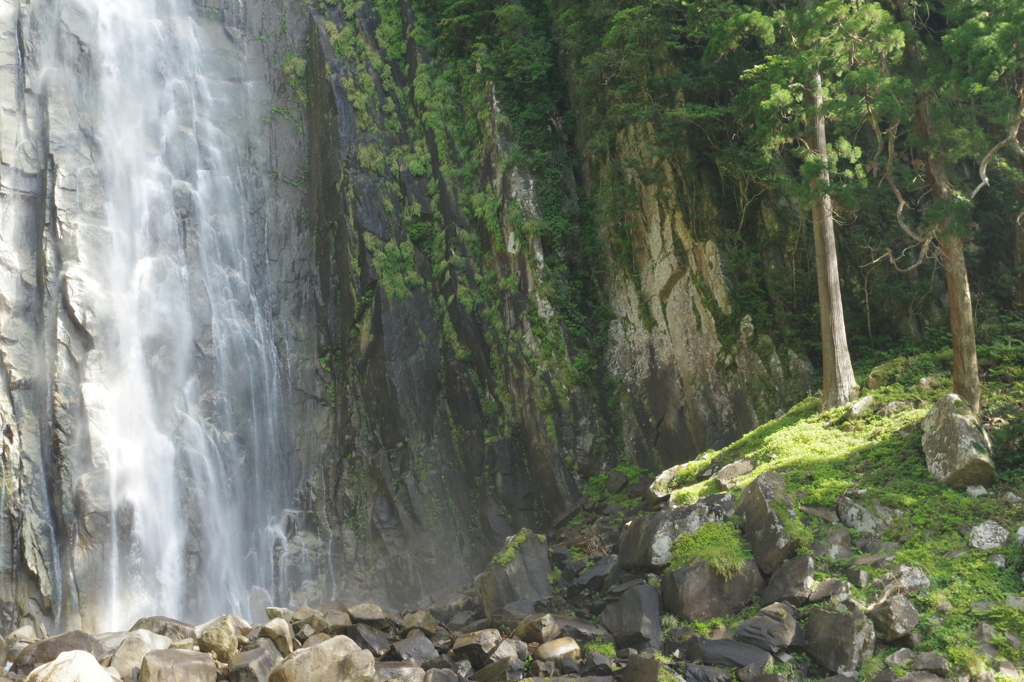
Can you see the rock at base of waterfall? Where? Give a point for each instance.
(46, 650)
(71, 666)
(894, 618)
(956, 448)
(646, 542)
(558, 648)
(178, 665)
(280, 633)
(371, 615)
(134, 648)
(168, 627)
(219, 637)
(635, 619)
(519, 572)
(538, 627)
(254, 665)
(322, 662)
(792, 582)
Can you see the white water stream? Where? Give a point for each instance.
(191, 429)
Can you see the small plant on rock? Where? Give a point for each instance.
(718, 544)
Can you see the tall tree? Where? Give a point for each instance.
(791, 97)
(964, 102)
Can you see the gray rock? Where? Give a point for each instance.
(134, 648)
(835, 589)
(46, 650)
(70, 666)
(834, 543)
(861, 408)
(254, 665)
(634, 620)
(646, 541)
(726, 653)
(370, 614)
(369, 638)
(696, 592)
(420, 620)
(989, 535)
(792, 582)
(901, 658)
(558, 648)
(956, 449)
(476, 647)
(596, 664)
(416, 648)
(581, 630)
(440, 675)
(403, 671)
(706, 673)
(168, 627)
(176, 665)
(338, 622)
(762, 525)
(280, 633)
(906, 578)
(332, 661)
(219, 637)
(640, 669)
(497, 671)
(856, 516)
(538, 627)
(931, 662)
(858, 577)
(976, 491)
(839, 641)
(728, 474)
(523, 577)
(772, 633)
(894, 618)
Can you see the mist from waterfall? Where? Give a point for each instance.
(191, 429)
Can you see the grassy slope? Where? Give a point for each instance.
(822, 455)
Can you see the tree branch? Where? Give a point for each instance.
(1011, 138)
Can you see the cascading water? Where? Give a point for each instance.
(191, 432)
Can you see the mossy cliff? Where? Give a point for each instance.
(484, 344)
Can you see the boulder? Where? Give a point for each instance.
(773, 629)
(280, 633)
(581, 630)
(906, 578)
(46, 650)
(646, 542)
(416, 647)
(338, 622)
(834, 543)
(371, 615)
(558, 648)
(727, 653)
(956, 448)
(325, 663)
(219, 637)
(177, 665)
(861, 408)
(518, 572)
(513, 649)
(894, 618)
(254, 665)
(696, 592)
(476, 647)
(931, 662)
(441, 675)
(134, 648)
(420, 620)
(369, 638)
(835, 589)
(792, 582)
(71, 666)
(839, 641)
(538, 627)
(634, 619)
(856, 516)
(404, 671)
(762, 525)
(168, 627)
(728, 474)
(706, 673)
(596, 664)
(989, 535)
(640, 669)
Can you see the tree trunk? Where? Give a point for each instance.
(966, 382)
(1018, 259)
(838, 383)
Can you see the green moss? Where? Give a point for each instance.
(718, 544)
(506, 555)
(603, 648)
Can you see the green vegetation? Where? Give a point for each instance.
(603, 648)
(508, 553)
(719, 544)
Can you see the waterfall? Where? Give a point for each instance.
(187, 416)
